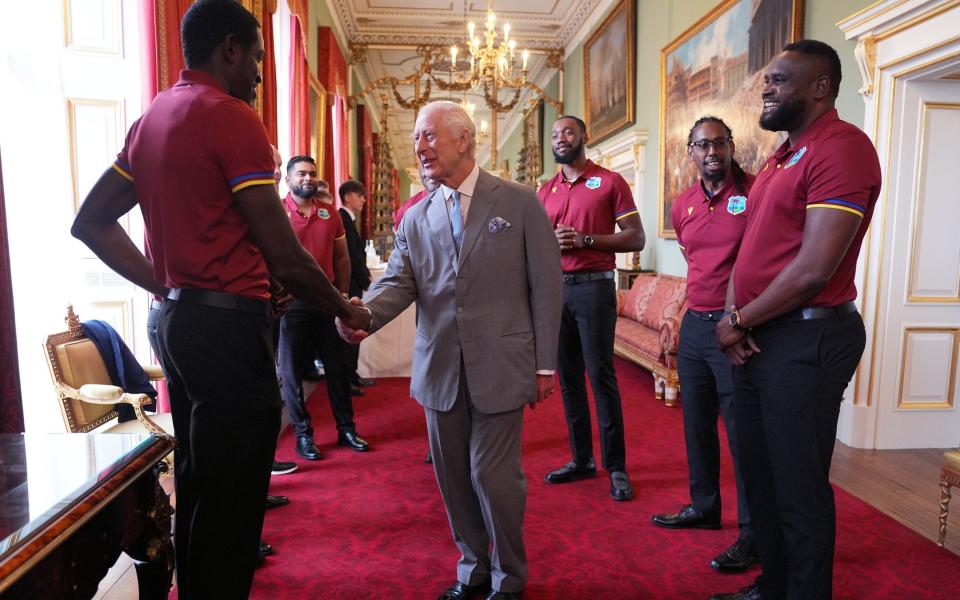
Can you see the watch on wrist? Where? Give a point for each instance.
(588, 241)
(735, 321)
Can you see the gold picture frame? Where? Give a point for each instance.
(608, 74)
(319, 106)
(716, 68)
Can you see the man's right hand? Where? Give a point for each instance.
(353, 328)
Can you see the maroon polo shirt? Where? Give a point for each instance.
(832, 166)
(190, 152)
(317, 231)
(709, 230)
(590, 204)
(407, 205)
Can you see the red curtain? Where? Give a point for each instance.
(268, 91)
(341, 141)
(299, 90)
(332, 73)
(365, 129)
(11, 407)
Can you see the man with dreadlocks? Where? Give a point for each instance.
(710, 218)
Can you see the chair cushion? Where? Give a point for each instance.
(163, 420)
(951, 461)
(665, 301)
(81, 363)
(637, 298)
(639, 338)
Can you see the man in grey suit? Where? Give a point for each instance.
(480, 259)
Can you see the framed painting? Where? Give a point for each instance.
(318, 108)
(716, 68)
(608, 81)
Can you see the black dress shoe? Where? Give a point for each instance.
(462, 591)
(351, 440)
(738, 557)
(356, 390)
(364, 382)
(429, 458)
(283, 467)
(275, 501)
(495, 595)
(264, 549)
(620, 488)
(747, 593)
(688, 518)
(307, 449)
(571, 472)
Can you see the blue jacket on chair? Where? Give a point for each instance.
(122, 366)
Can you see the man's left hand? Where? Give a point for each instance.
(568, 237)
(545, 387)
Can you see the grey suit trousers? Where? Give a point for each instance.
(476, 458)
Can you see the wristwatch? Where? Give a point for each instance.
(588, 241)
(734, 319)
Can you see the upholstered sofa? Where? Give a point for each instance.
(648, 328)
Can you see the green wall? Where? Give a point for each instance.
(658, 23)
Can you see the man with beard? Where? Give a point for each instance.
(584, 201)
(303, 329)
(794, 332)
(198, 164)
(710, 218)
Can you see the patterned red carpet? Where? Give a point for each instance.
(365, 526)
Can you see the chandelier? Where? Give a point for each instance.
(491, 65)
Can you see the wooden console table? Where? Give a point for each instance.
(71, 503)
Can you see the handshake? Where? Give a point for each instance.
(353, 326)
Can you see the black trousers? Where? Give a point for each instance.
(786, 405)
(586, 343)
(351, 357)
(226, 413)
(706, 378)
(301, 333)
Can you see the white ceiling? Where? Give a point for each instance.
(392, 29)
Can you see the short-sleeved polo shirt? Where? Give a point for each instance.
(193, 149)
(709, 230)
(832, 166)
(591, 204)
(317, 230)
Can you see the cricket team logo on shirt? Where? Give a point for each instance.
(689, 210)
(796, 158)
(736, 205)
(323, 213)
(593, 183)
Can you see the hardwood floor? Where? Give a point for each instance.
(904, 484)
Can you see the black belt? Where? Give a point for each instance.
(576, 277)
(222, 300)
(713, 315)
(819, 312)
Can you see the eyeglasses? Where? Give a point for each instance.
(720, 143)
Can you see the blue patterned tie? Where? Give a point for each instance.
(456, 219)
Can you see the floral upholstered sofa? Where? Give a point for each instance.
(648, 328)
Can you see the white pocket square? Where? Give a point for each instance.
(498, 224)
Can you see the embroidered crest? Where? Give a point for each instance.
(689, 210)
(553, 190)
(593, 183)
(323, 213)
(796, 158)
(736, 205)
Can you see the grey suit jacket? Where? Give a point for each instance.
(498, 306)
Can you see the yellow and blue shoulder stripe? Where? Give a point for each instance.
(838, 204)
(248, 179)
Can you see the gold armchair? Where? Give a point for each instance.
(88, 400)
(949, 477)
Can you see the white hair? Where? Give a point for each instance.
(456, 120)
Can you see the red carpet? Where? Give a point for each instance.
(372, 525)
